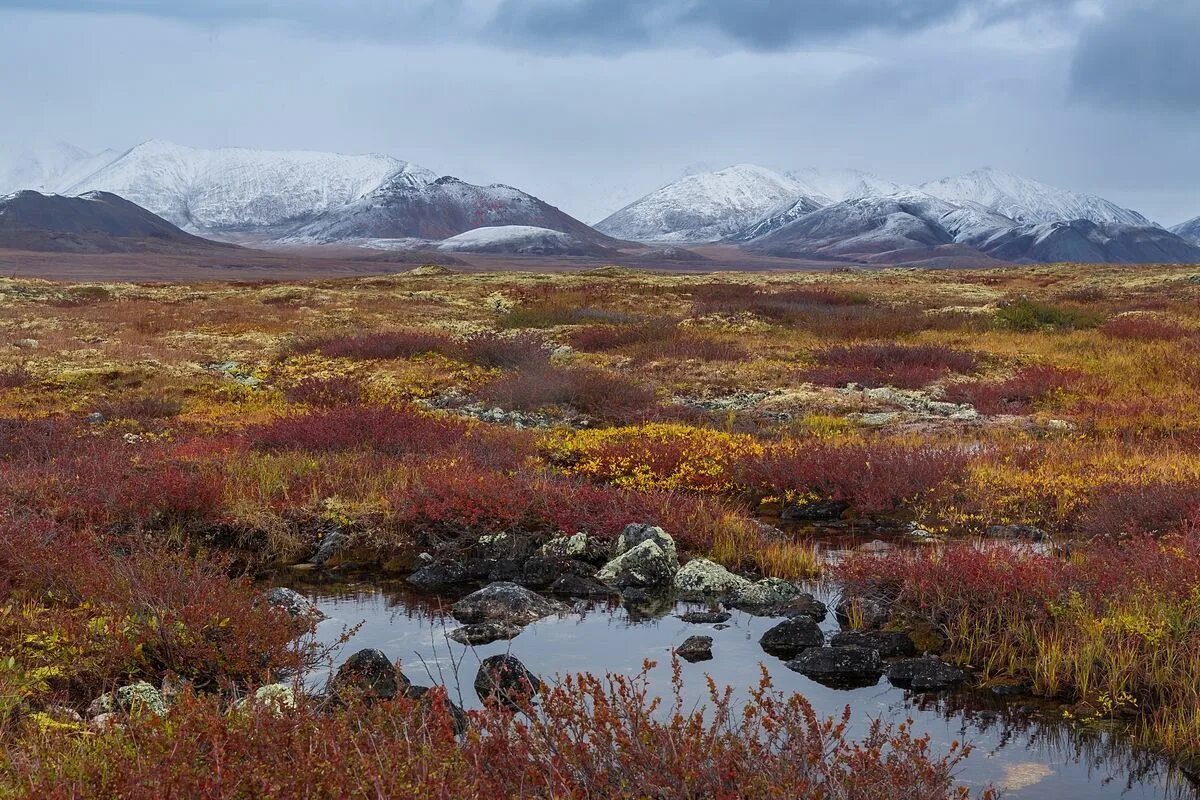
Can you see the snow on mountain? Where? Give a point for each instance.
(236, 189)
(704, 207)
(1188, 231)
(777, 218)
(518, 240)
(1029, 201)
(836, 185)
(52, 168)
(1086, 242)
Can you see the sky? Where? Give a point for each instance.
(592, 103)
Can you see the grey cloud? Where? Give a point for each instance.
(1144, 55)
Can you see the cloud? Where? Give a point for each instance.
(1141, 56)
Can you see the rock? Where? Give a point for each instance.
(641, 604)
(275, 697)
(890, 644)
(792, 636)
(862, 612)
(814, 511)
(503, 569)
(540, 571)
(484, 633)
(504, 545)
(104, 722)
(765, 594)
(925, 674)
(26, 344)
(333, 544)
(504, 679)
(695, 648)
(136, 698)
(505, 602)
(292, 602)
(369, 673)
(802, 605)
(581, 586)
(644, 564)
(839, 667)
(579, 546)
(636, 533)
(705, 617)
(1027, 533)
(94, 418)
(438, 577)
(430, 698)
(700, 577)
(1010, 689)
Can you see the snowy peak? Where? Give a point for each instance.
(236, 189)
(1028, 201)
(705, 207)
(836, 185)
(1188, 231)
(52, 168)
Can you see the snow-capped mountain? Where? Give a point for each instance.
(704, 207)
(52, 168)
(1189, 231)
(836, 185)
(234, 189)
(1028, 201)
(1086, 242)
(443, 208)
(519, 240)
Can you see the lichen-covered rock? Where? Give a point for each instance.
(695, 648)
(275, 697)
(889, 644)
(505, 602)
(539, 571)
(437, 577)
(705, 617)
(505, 680)
(645, 564)
(334, 543)
(482, 633)
(578, 546)
(792, 636)
(840, 667)
(803, 605)
(636, 533)
(766, 593)
(371, 674)
(925, 674)
(701, 577)
(292, 602)
(136, 698)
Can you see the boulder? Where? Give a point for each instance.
(503, 545)
(573, 585)
(791, 637)
(890, 644)
(925, 674)
(540, 571)
(439, 577)
(705, 617)
(636, 533)
(505, 602)
(814, 511)
(369, 673)
(862, 612)
(765, 594)
(292, 602)
(839, 667)
(645, 564)
(504, 679)
(484, 633)
(136, 698)
(579, 546)
(701, 577)
(334, 543)
(695, 648)
(275, 697)
(802, 605)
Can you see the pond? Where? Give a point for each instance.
(1022, 748)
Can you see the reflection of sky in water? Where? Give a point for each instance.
(1027, 756)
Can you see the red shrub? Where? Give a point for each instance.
(590, 391)
(1017, 394)
(1144, 328)
(873, 365)
(142, 409)
(505, 352)
(1120, 510)
(340, 390)
(15, 378)
(379, 345)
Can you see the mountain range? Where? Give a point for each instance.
(310, 198)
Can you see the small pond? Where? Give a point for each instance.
(1024, 749)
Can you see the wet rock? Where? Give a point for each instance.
(645, 564)
(701, 577)
(695, 648)
(136, 698)
(802, 605)
(1027, 533)
(839, 667)
(505, 680)
(540, 571)
(333, 544)
(292, 602)
(705, 617)
(484, 633)
(814, 511)
(791, 637)
(428, 699)
(581, 586)
(1010, 689)
(925, 674)
(503, 569)
(505, 602)
(371, 674)
(890, 644)
(637, 533)
(439, 577)
(862, 612)
(765, 594)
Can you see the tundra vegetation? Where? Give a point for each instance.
(164, 446)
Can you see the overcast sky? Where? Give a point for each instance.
(591, 103)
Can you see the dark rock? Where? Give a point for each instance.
(429, 698)
(369, 673)
(334, 543)
(814, 511)
(503, 546)
(540, 571)
(573, 585)
(890, 644)
(720, 626)
(925, 674)
(839, 667)
(505, 602)
(802, 605)
(1015, 689)
(869, 612)
(792, 636)
(292, 602)
(439, 577)
(695, 648)
(505, 569)
(504, 679)
(705, 617)
(484, 633)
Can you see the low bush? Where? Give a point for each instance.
(505, 352)
(338, 390)
(890, 364)
(1143, 328)
(1017, 394)
(1031, 315)
(15, 377)
(591, 391)
(378, 345)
